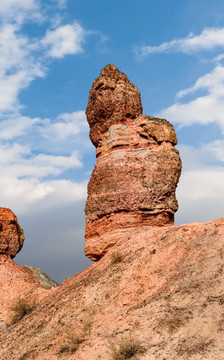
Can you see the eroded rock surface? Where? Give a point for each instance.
(112, 98)
(166, 292)
(41, 277)
(11, 234)
(16, 283)
(138, 167)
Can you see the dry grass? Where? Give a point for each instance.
(72, 344)
(116, 257)
(72, 338)
(20, 309)
(127, 348)
(173, 324)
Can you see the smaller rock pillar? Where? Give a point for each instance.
(11, 234)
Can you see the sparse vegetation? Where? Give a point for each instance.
(116, 257)
(26, 355)
(20, 309)
(173, 324)
(127, 348)
(73, 339)
(72, 344)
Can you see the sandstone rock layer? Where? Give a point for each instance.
(11, 234)
(134, 180)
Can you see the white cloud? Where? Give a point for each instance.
(36, 155)
(213, 82)
(203, 110)
(27, 163)
(215, 150)
(22, 59)
(11, 128)
(17, 66)
(18, 161)
(25, 178)
(12, 153)
(20, 10)
(209, 39)
(9, 5)
(20, 194)
(200, 192)
(64, 40)
(66, 125)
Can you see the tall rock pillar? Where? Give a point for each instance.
(134, 180)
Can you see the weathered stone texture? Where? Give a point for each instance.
(134, 180)
(11, 234)
(112, 98)
(167, 292)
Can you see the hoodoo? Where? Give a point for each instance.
(11, 234)
(138, 167)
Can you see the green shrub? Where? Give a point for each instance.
(20, 309)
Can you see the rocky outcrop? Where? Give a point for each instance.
(16, 283)
(163, 287)
(11, 234)
(41, 276)
(134, 180)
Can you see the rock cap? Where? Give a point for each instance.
(112, 98)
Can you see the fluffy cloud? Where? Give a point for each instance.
(25, 168)
(213, 82)
(200, 192)
(11, 7)
(200, 195)
(205, 109)
(215, 149)
(11, 128)
(17, 66)
(66, 125)
(209, 39)
(30, 170)
(23, 194)
(20, 11)
(38, 166)
(64, 40)
(23, 60)
(38, 156)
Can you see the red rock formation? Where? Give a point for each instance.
(166, 292)
(161, 286)
(16, 283)
(134, 180)
(112, 98)
(11, 234)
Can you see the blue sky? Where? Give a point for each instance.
(51, 51)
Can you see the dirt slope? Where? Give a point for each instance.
(165, 290)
